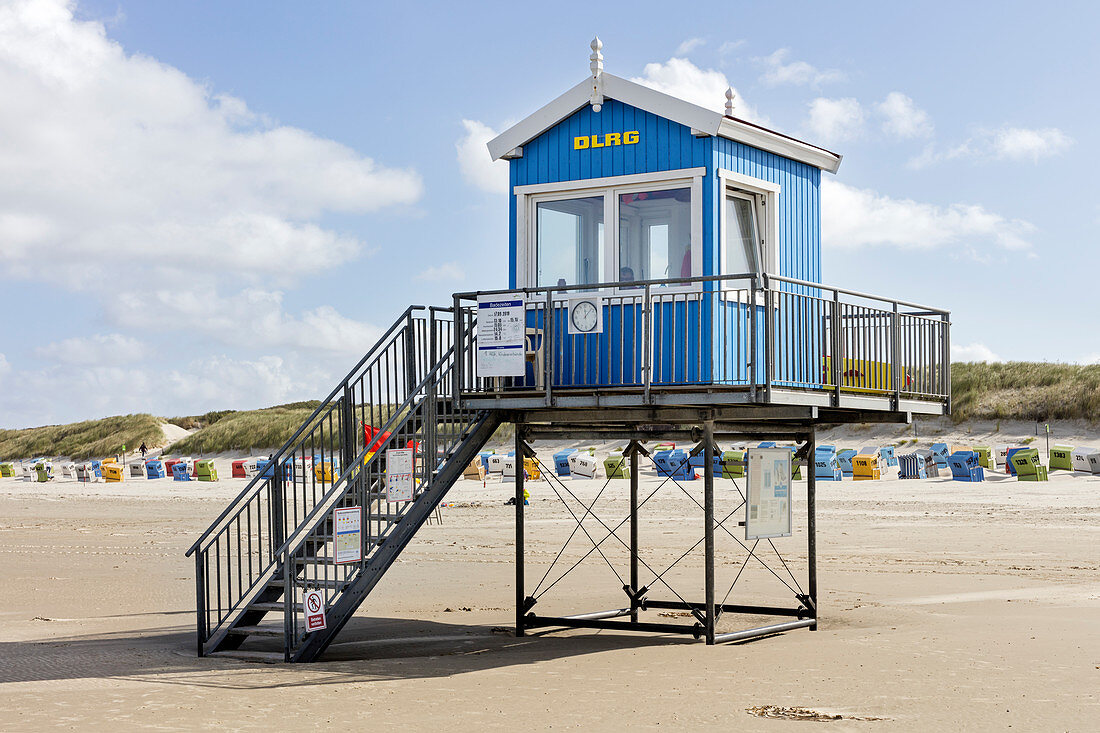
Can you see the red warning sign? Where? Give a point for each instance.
(313, 604)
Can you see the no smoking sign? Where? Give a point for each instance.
(313, 604)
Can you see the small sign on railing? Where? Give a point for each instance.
(399, 474)
(348, 523)
(313, 605)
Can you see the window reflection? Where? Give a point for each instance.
(655, 235)
(569, 238)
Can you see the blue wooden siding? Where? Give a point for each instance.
(687, 353)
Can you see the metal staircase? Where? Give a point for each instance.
(275, 541)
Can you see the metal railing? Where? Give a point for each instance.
(756, 333)
(237, 555)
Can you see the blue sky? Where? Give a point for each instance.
(218, 205)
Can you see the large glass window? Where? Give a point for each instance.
(742, 235)
(569, 241)
(655, 235)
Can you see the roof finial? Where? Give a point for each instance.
(596, 64)
(729, 101)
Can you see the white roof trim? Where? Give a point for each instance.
(699, 119)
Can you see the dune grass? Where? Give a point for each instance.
(1018, 390)
(88, 439)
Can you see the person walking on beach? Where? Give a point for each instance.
(143, 450)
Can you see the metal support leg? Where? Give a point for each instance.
(708, 518)
(811, 529)
(520, 597)
(634, 534)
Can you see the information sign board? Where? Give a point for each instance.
(399, 474)
(500, 332)
(768, 509)
(348, 522)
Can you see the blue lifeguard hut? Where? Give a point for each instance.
(665, 283)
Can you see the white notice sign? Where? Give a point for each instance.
(349, 534)
(500, 331)
(768, 509)
(313, 606)
(399, 474)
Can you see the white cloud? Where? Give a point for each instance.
(100, 349)
(834, 120)
(107, 156)
(973, 352)
(730, 46)
(1003, 143)
(442, 272)
(902, 118)
(854, 217)
(704, 87)
(688, 46)
(474, 161)
(1019, 143)
(779, 70)
(5, 367)
(253, 318)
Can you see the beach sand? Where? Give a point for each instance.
(943, 605)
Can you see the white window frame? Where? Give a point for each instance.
(767, 193)
(611, 187)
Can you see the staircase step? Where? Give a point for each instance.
(246, 655)
(257, 630)
(276, 606)
(316, 583)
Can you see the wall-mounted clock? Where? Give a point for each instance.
(585, 314)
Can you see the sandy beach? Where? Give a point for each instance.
(944, 605)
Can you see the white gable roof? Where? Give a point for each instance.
(699, 119)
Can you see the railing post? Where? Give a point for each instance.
(895, 361)
(752, 350)
(769, 344)
(410, 355)
(288, 604)
(278, 530)
(647, 346)
(460, 349)
(946, 318)
(347, 431)
(838, 357)
(200, 601)
(547, 349)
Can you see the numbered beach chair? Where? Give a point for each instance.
(496, 464)
(844, 460)
(931, 469)
(1011, 452)
(940, 452)
(475, 471)
(7, 470)
(911, 465)
(964, 466)
(1079, 458)
(238, 468)
(41, 474)
(826, 467)
(112, 473)
(985, 456)
(180, 472)
(616, 466)
(507, 467)
(1094, 462)
(137, 470)
(1061, 458)
(68, 469)
(1026, 463)
(531, 470)
(154, 469)
(865, 467)
(561, 461)
(887, 458)
(205, 471)
(733, 464)
(583, 465)
(1000, 457)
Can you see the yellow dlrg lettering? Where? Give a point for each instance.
(606, 140)
(580, 142)
(613, 138)
(596, 142)
(631, 138)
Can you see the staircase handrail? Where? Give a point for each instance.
(398, 418)
(259, 478)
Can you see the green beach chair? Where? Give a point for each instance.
(1028, 468)
(616, 466)
(205, 471)
(733, 464)
(985, 456)
(1061, 458)
(7, 470)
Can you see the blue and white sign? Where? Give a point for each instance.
(500, 332)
